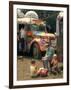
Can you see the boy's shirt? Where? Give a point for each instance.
(33, 70)
(50, 51)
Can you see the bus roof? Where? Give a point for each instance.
(29, 21)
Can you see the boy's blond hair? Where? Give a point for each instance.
(55, 55)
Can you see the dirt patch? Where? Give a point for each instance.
(23, 70)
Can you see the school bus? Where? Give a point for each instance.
(36, 37)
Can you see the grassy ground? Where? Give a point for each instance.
(23, 70)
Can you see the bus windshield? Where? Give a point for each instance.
(35, 27)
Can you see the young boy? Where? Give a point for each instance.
(33, 69)
(54, 63)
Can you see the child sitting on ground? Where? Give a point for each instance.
(54, 64)
(35, 71)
